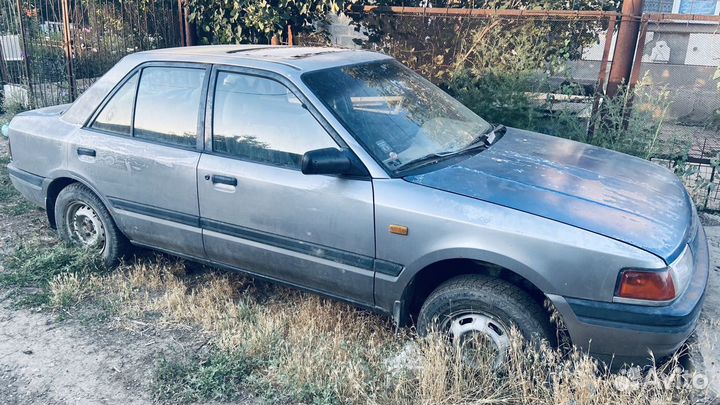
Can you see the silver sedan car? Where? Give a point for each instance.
(346, 174)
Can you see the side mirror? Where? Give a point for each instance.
(327, 161)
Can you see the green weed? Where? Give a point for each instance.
(11, 201)
(218, 377)
(57, 271)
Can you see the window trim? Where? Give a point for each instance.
(202, 104)
(270, 75)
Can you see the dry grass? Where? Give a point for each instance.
(292, 347)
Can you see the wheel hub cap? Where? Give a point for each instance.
(478, 336)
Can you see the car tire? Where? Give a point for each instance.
(83, 220)
(458, 304)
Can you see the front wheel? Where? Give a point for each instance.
(477, 313)
(83, 220)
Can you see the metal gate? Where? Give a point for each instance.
(52, 50)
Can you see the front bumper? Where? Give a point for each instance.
(627, 333)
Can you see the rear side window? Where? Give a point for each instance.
(116, 116)
(168, 104)
(261, 120)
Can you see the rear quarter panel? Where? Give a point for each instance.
(39, 140)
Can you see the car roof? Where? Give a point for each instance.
(298, 58)
(289, 61)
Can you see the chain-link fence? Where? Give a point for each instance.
(52, 50)
(679, 60)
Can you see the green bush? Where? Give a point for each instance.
(256, 21)
(628, 123)
(496, 97)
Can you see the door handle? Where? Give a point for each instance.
(230, 181)
(86, 152)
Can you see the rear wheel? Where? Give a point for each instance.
(83, 220)
(477, 313)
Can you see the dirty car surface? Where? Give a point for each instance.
(346, 174)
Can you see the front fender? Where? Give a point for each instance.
(389, 290)
(521, 269)
(555, 257)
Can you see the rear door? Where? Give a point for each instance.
(141, 151)
(259, 212)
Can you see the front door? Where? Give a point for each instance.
(141, 152)
(259, 212)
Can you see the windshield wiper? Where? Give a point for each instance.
(484, 140)
(426, 160)
(495, 134)
(487, 138)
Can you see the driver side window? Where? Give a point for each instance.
(261, 120)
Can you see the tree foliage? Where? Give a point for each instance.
(256, 21)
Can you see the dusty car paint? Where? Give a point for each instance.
(595, 189)
(564, 216)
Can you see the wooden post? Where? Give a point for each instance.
(290, 36)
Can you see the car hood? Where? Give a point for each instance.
(622, 197)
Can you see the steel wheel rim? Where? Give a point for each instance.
(85, 226)
(466, 328)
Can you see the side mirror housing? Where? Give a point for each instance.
(329, 161)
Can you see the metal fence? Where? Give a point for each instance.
(52, 50)
(677, 59)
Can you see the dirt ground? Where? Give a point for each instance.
(45, 359)
(67, 362)
(50, 360)
(708, 333)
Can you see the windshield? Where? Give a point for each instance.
(395, 114)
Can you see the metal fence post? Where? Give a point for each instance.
(4, 74)
(627, 40)
(181, 23)
(26, 55)
(709, 189)
(639, 50)
(67, 36)
(602, 75)
(187, 31)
